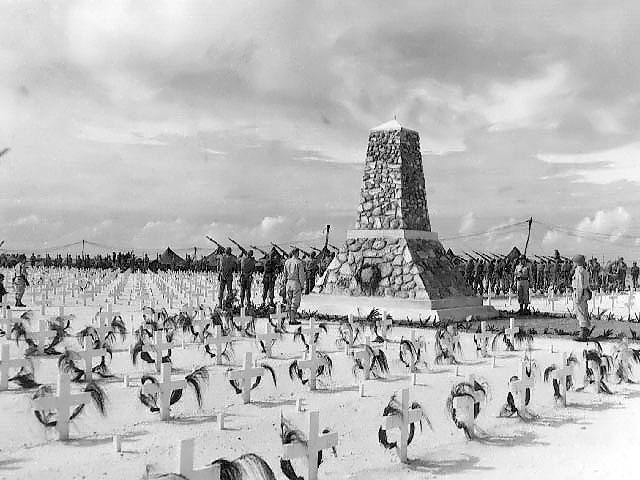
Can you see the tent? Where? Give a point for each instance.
(170, 258)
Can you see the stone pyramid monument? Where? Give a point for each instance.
(392, 251)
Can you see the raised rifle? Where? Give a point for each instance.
(259, 250)
(280, 250)
(306, 254)
(216, 243)
(242, 249)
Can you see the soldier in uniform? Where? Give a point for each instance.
(295, 281)
(622, 274)
(247, 269)
(522, 275)
(311, 271)
(20, 280)
(581, 296)
(269, 277)
(635, 271)
(227, 266)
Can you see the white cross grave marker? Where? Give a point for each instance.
(185, 464)
(6, 363)
(315, 443)
(164, 389)
(219, 341)
(520, 387)
(511, 331)
(88, 354)
(483, 338)
(245, 375)
(158, 347)
(408, 416)
(62, 403)
(560, 375)
(312, 362)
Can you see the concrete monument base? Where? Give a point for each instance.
(447, 309)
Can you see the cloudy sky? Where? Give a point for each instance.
(142, 124)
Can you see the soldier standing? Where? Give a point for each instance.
(227, 266)
(295, 280)
(247, 269)
(311, 270)
(522, 276)
(581, 296)
(20, 281)
(269, 277)
(635, 271)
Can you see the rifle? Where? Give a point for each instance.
(470, 256)
(280, 251)
(306, 254)
(1, 243)
(334, 247)
(213, 241)
(242, 249)
(259, 250)
(484, 257)
(317, 250)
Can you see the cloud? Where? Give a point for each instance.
(610, 224)
(600, 167)
(468, 223)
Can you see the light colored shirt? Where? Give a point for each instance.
(580, 283)
(294, 270)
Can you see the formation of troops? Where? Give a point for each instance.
(484, 273)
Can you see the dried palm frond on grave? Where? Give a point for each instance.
(377, 363)
(349, 334)
(604, 364)
(289, 435)
(324, 370)
(185, 322)
(236, 385)
(249, 330)
(20, 333)
(49, 418)
(411, 353)
(520, 337)
(263, 347)
(197, 379)
(246, 467)
(298, 336)
(25, 376)
(624, 359)
(570, 360)
(394, 409)
(476, 390)
(67, 364)
(228, 352)
(136, 351)
(279, 326)
(447, 345)
(24, 318)
(155, 319)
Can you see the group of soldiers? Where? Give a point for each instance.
(498, 274)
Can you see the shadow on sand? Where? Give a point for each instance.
(448, 467)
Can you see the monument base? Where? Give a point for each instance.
(399, 308)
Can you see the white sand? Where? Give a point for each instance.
(592, 438)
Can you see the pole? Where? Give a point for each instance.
(530, 221)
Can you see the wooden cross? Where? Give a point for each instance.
(613, 298)
(163, 390)
(316, 442)
(365, 358)
(62, 403)
(158, 347)
(402, 422)
(484, 337)
(311, 331)
(44, 303)
(560, 375)
(219, 341)
(384, 324)
(88, 354)
(185, 464)
(521, 386)
(243, 319)
(510, 294)
(511, 331)
(312, 362)
(245, 375)
(267, 339)
(6, 363)
(8, 321)
(40, 337)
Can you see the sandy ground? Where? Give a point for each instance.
(593, 437)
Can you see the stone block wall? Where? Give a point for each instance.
(416, 269)
(393, 193)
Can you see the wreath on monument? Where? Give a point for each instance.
(368, 277)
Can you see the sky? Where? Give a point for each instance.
(142, 124)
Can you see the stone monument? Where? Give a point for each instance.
(392, 251)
